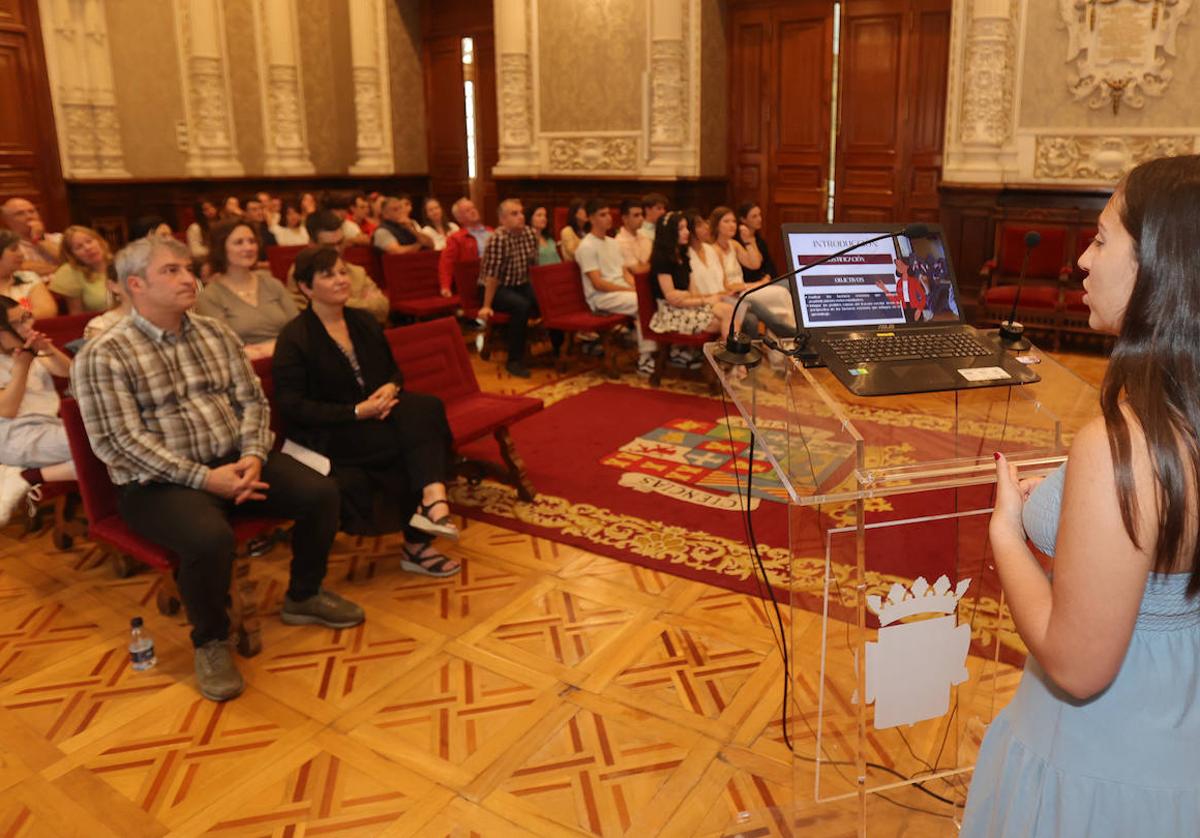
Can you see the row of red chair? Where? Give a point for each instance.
(434, 360)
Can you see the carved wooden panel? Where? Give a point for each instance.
(29, 164)
(445, 121)
(748, 86)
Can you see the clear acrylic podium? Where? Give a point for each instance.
(893, 595)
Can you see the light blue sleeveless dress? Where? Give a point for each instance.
(1123, 764)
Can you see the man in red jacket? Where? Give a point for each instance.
(464, 244)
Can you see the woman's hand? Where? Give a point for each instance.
(745, 235)
(1011, 494)
(379, 404)
(37, 343)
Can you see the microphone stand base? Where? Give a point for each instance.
(739, 352)
(1012, 336)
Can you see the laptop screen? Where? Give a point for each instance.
(894, 281)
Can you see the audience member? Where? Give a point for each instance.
(198, 231)
(390, 450)
(175, 410)
(635, 245)
(398, 232)
(308, 204)
(325, 228)
(464, 245)
(654, 206)
(375, 211)
(607, 280)
(26, 287)
(148, 225)
(571, 235)
(707, 271)
(356, 210)
(120, 310)
(39, 249)
(255, 216)
(251, 302)
(539, 220)
(33, 440)
(436, 226)
(231, 207)
(723, 230)
(504, 271)
(82, 278)
(271, 208)
(750, 224)
(292, 231)
(681, 306)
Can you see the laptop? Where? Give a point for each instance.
(885, 318)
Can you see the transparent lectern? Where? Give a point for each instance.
(900, 646)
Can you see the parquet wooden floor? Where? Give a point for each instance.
(544, 691)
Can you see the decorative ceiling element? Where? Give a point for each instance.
(1120, 48)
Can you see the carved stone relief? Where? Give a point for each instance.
(1103, 158)
(372, 110)
(592, 154)
(211, 149)
(515, 96)
(668, 93)
(988, 82)
(286, 140)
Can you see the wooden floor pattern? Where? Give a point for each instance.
(544, 691)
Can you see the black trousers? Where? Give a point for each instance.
(519, 303)
(195, 526)
(425, 438)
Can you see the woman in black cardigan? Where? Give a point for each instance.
(340, 393)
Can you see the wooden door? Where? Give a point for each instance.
(781, 68)
(892, 82)
(444, 24)
(29, 163)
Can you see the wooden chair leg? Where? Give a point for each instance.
(660, 363)
(517, 475)
(611, 340)
(66, 525)
(243, 613)
(167, 597)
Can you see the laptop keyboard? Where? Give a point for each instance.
(906, 347)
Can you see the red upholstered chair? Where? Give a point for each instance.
(647, 306)
(434, 360)
(560, 298)
(281, 257)
(560, 220)
(61, 499)
(1042, 292)
(466, 285)
(367, 258)
(410, 281)
(106, 527)
(65, 328)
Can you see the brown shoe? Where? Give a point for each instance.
(216, 675)
(325, 608)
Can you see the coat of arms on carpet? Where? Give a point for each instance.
(705, 462)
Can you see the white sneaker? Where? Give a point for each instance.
(13, 488)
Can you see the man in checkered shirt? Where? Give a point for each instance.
(173, 407)
(504, 272)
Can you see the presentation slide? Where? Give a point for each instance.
(846, 291)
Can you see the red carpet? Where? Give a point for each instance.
(646, 476)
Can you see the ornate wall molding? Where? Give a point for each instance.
(372, 105)
(593, 154)
(79, 62)
(667, 144)
(285, 136)
(211, 148)
(1101, 157)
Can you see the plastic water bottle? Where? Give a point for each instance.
(141, 647)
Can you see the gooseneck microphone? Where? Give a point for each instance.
(1012, 333)
(738, 348)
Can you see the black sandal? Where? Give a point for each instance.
(431, 564)
(443, 526)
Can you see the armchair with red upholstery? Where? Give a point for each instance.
(65, 328)
(466, 285)
(1041, 298)
(410, 281)
(106, 526)
(563, 306)
(281, 257)
(434, 360)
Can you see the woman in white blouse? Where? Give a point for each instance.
(436, 225)
(708, 270)
(291, 231)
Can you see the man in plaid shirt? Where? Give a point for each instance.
(504, 272)
(174, 408)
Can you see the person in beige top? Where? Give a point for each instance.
(570, 237)
(251, 302)
(325, 227)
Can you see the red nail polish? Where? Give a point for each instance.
(996, 454)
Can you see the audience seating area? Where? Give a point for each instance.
(559, 292)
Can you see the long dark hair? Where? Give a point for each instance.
(1155, 364)
(218, 259)
(573, 209)
(667, 251)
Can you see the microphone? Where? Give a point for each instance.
(1012, 333)
(738, 349)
